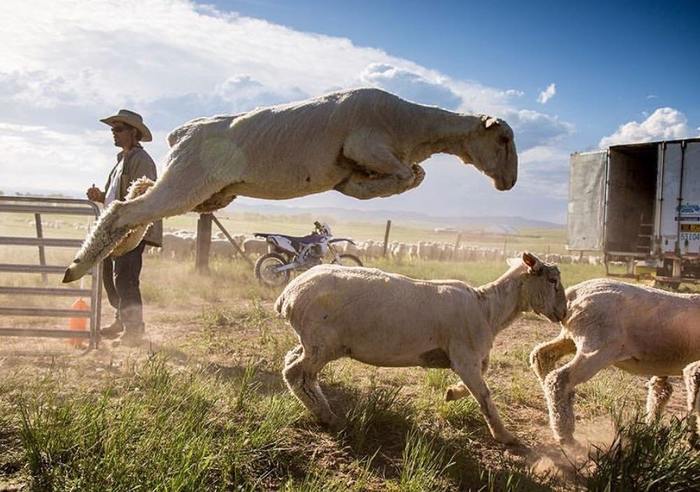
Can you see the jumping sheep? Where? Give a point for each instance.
(638, 329)
(364, 143)
(387, 319)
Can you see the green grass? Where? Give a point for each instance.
(217, 416)
(646, 457)
(155, 430)
(424, 464)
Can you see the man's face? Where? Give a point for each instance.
(123, 135)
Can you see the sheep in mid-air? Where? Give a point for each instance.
(364, 143)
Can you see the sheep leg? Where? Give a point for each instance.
(545, 356)
(380, 172)
(691, 377)
(173, 194)
(559, 389)
(474, 381)
(459, 390)
(364, 187)
(293, 354)
(660, 391)
(300, 374)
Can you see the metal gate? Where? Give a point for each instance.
(56, 206)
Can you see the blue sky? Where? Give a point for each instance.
(611, 61)
(567, 77)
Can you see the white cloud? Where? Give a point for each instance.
(547, 94)
(662, 124)
(545, 171)
(65, 66)
(411, 85)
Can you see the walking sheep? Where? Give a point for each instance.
(639, 329)
(364, 143)
(391, 320)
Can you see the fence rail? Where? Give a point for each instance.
(58, 206)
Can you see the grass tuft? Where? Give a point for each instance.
(423, 465)
(647, 457)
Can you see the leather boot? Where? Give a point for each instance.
(132, 336)
(112, 331)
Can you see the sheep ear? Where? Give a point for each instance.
(532, 262)
(513, 262)
(489, 121)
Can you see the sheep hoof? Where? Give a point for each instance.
(508, 439)
(334, 424)
(73, 272)
(567, 441)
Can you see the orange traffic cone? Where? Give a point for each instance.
(78, 324)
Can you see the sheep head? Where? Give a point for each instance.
(492, 150)
(543, 291)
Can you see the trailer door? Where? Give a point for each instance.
(689, 213)
(668, 193)
(586, 213)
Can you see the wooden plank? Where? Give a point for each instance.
(203, 246)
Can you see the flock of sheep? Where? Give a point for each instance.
(604, 323)
(342, 312)
(181, 244)
(392, 320)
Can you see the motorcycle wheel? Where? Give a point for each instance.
(265, 273)
(348, 260)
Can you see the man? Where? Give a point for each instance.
(121, 274)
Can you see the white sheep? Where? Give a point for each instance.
(364, 143)
(391, 320)
(255, 246)
(639, 329)
(221, 248)
(178, 245)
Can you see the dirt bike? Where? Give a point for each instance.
(290, 253)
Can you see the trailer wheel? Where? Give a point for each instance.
(662, 284)
(666, 271)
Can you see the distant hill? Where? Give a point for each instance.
(417, 218)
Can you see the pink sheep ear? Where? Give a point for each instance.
(532, 262)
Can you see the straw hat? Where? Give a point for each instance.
(131, 119)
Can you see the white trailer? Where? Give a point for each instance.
(639, 203)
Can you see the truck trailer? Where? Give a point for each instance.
(639, 204)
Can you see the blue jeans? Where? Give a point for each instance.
(120, 277)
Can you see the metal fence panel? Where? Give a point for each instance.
(50, 205)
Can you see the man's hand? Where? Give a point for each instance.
(95, 194)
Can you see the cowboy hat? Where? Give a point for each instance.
(131, 119)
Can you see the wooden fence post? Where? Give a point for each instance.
(42, 254)
(201, 259)
(386, 236)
